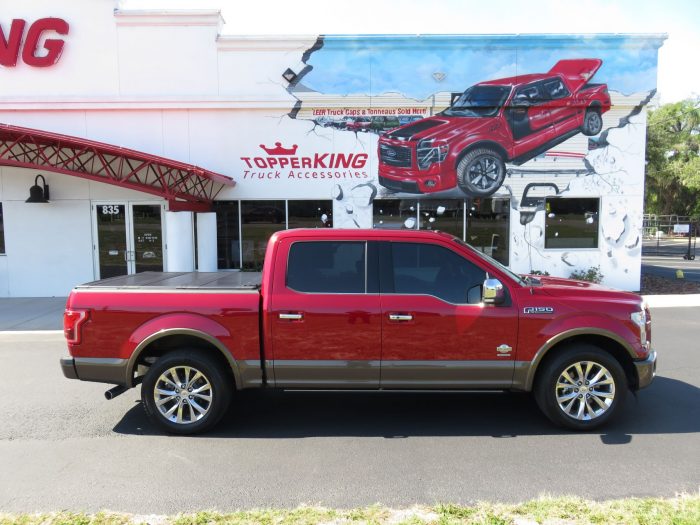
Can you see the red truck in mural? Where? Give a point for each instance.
(359, 309)
(508, 120)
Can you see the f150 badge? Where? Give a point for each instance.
(538, 310)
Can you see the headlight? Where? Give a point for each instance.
(640, 319)
(430, 151)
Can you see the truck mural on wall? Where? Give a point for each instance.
(510, 120)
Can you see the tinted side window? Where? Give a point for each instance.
(528, 95)
(555, 89)
(327, 267)
(434, 270)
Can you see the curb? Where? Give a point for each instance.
(672, 300)
(50, 331)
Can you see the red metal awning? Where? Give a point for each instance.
(185, 186)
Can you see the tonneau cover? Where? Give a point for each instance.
(233, 281)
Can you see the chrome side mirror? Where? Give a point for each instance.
(493, 293)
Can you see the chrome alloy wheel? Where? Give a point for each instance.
(484, 173)
(585, 390)
(183, 394)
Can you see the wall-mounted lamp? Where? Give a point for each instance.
(37, 193)
(289, 75)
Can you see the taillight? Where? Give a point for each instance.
(72, 321)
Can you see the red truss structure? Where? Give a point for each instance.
(185, 186)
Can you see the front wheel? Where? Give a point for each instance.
(592, 122)
(581, 388)
(481, 172)
(185, 392)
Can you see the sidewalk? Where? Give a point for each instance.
(46, 313)
(31, 313)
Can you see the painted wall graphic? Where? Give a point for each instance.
(523, 118)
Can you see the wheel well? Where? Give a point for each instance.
(164, 345)
(595, 105)
(600, 341)
(483, 144)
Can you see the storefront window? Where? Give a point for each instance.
(445, 215)
(488, 222)
(2, 232)
(395, 214)
(310, 214)
(228, 240)
(259, 220)
(571, 223)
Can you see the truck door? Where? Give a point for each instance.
(562, 107)
(529, 119)
(435, 331)
(325, 315)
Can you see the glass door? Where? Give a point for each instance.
(111, 248)
(129, 238)
(147, 236)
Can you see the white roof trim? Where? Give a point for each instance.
(194, 17)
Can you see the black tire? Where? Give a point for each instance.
(549, 392)
(481, 172)
(592, 122)
(219, 392)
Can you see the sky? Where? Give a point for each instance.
(678, 72)
(408, 65)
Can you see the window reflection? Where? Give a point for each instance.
(488, 227)
(310, 214)
(395, 214)
(259, 220)
(445, 215)
(571, 223)
(228, 247)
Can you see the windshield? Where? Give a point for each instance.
(479, 101)
(493, 262)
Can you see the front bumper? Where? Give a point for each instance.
(646, 370)
(98, 369)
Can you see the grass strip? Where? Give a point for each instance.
(681, 510)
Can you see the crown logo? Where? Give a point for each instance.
(279, 150)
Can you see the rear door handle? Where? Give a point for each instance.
(292, 317)
(400, 317)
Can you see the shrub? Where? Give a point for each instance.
(592, 275)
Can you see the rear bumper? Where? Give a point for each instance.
(97, 369)
(646, 370)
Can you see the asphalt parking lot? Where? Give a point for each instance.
(63, 446)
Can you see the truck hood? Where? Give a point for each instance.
(559, 287)
(440, 127)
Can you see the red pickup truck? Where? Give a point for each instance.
(507, 120)
(359, 309)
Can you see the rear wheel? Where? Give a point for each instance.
(481, 172)
(581, 388)
(185, 392)
(592, 122)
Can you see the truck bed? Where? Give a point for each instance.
(230, 281)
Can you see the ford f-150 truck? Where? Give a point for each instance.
(507, 120)
(359, 309)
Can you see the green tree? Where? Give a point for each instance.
(673, 165)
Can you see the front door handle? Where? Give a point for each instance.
(292, 317)
(400, 317)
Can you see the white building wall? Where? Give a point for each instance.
(49, 247)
